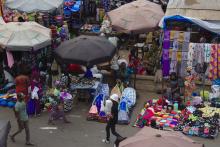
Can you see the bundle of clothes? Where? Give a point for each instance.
(196, 119)
(202, 122)
(97, 110)
(60, 93)
(100, 106)
(8, 100)
(71, 6)
(127, 102)
(157, 114)
(7, 89)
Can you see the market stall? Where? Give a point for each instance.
(196, 119)
(87, 51)
(131, 19)
(191, 50)
(127, 102)
(24, 42)
(190, 54)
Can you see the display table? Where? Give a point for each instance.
(81, 88)
(5, 127)
(90, 29)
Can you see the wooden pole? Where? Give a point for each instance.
(1, 9)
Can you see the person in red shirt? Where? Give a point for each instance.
(22, 82)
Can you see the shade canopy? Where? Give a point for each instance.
(24, 36)
(136, 17)
(212, 26)
(201, 9)
(149, 137)
(85, 50)
(33, 5)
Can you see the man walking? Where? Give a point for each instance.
(112, 114)
(22, 118)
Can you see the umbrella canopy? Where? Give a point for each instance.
(136, 17)
(85, 50)
(149, 137)
(33, 5)
(5, 127)
(24, 36)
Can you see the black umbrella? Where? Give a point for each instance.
(85, 50)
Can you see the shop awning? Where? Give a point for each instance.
(212, 26)
(201, 9)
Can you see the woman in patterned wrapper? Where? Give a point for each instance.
(57, 111)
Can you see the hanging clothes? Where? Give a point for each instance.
(213, 67)
(201, 52)
(207, 53)
(190, 55)
(165, 54)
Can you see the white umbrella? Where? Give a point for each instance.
(33, 5)
(24, 36)
(139, 16)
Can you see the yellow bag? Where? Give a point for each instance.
(116, 90)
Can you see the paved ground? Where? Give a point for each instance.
(80, 133)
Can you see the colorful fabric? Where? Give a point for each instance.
(175, 45)
(207, 53)
(165, 54)
(166, 44)
(10, 59)
(213, 67)
(167, 35)
(179, 56)
(187, 36)
(183, 68)
(104, 90)
(129, 95)
(181, 37)
(201, 53)
(176, 35)
(173, 66)
(166, 67)
(190, 55)
(172, 34)
(185, 46)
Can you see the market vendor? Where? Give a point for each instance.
(57, 111)
(176, 87)
(123, 73)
